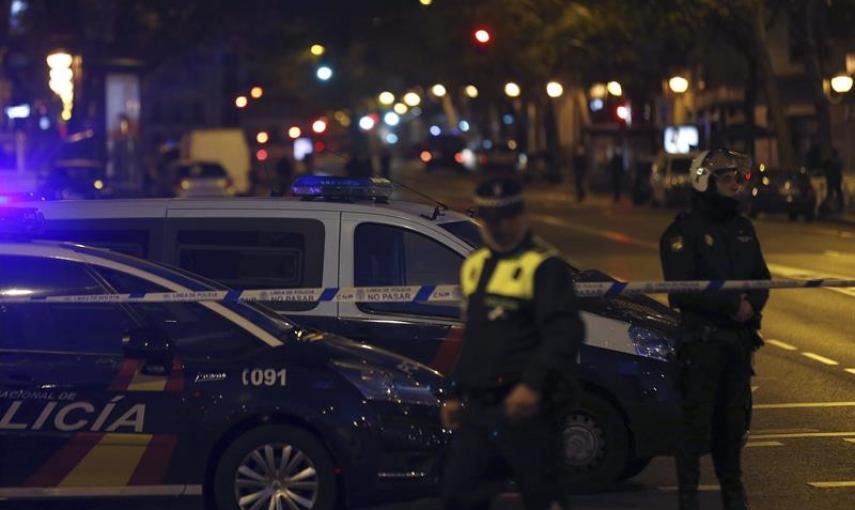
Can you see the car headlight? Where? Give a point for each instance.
(385, 385)
(651, 344)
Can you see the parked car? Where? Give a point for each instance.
(670, 182)
(447, 151)
(502, 157)
(200, 179)
(782, 191)
(75, 179)
(327, 237)
(228, 400)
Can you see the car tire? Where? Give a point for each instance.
(247, 461)
(596, 446)
(634, 467)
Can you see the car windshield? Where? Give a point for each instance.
(199, 283)
(465, 230)
(201, 170)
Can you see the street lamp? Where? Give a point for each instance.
(614, 88)
(391, 119)
(425, 2)
(598, 91)
(554, 89)
(61, 80)
(471, 91)
(412, 99)
(241, 101)
(678, 84)
(400, 108)
(386, 98)
(438, 90)
(841, 83)
(262, 137)
(294, 132)
(512, 89)
(317, 50)
(256, 92)
(319, 126)
(366, 123)
(324, 73)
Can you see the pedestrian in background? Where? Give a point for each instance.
(518, 361)
(834, 181)
(616, 169)
(580, 168)
(713, 241)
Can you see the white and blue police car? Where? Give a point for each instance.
(343, 232)
(225, 399)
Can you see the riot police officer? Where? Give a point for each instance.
(713, 241)
(522, 335)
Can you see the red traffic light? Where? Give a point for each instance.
(482, 36)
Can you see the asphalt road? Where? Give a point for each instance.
(801, 454)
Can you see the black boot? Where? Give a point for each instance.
(689, 500)
(733, 497)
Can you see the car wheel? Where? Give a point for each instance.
(275, 466)
(634, 467)
(596, 446)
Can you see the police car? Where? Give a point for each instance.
(226, 399)
(354, 232)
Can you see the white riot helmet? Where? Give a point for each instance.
(716, 162)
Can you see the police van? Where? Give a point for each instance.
(340, 232)
(229, 400)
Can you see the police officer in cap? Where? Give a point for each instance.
(713, 241)
(522, 335)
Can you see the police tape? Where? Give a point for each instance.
(414, 293)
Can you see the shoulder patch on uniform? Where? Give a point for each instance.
(677, 243)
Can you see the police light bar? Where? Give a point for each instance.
(310, 187)
(20, 222)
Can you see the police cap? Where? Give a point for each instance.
(499, 198)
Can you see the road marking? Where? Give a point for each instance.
(782, 431)
(832, 485)
(702, 488)
(805, 435)
(803, 405)
(611, 235)
(761, 444)
(821, 359)
(807, 274)
(782, 345)
(849, 439)
(754, 388)
(851, 370)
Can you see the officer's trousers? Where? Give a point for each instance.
(716, 409)
(487, 445)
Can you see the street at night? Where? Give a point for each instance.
(427, 254)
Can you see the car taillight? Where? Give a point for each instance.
(426, 156)
(458, 156)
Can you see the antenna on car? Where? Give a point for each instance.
(438, 206)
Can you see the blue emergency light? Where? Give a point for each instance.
(20, 222)
(310, 187)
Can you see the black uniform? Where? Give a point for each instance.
(714, 242)
(522, 325)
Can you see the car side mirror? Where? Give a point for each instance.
(150, 345)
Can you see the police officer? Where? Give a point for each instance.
(713, 241)
(517, 363)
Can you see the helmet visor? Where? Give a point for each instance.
(728, 164)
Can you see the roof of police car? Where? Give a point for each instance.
(141, 207)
